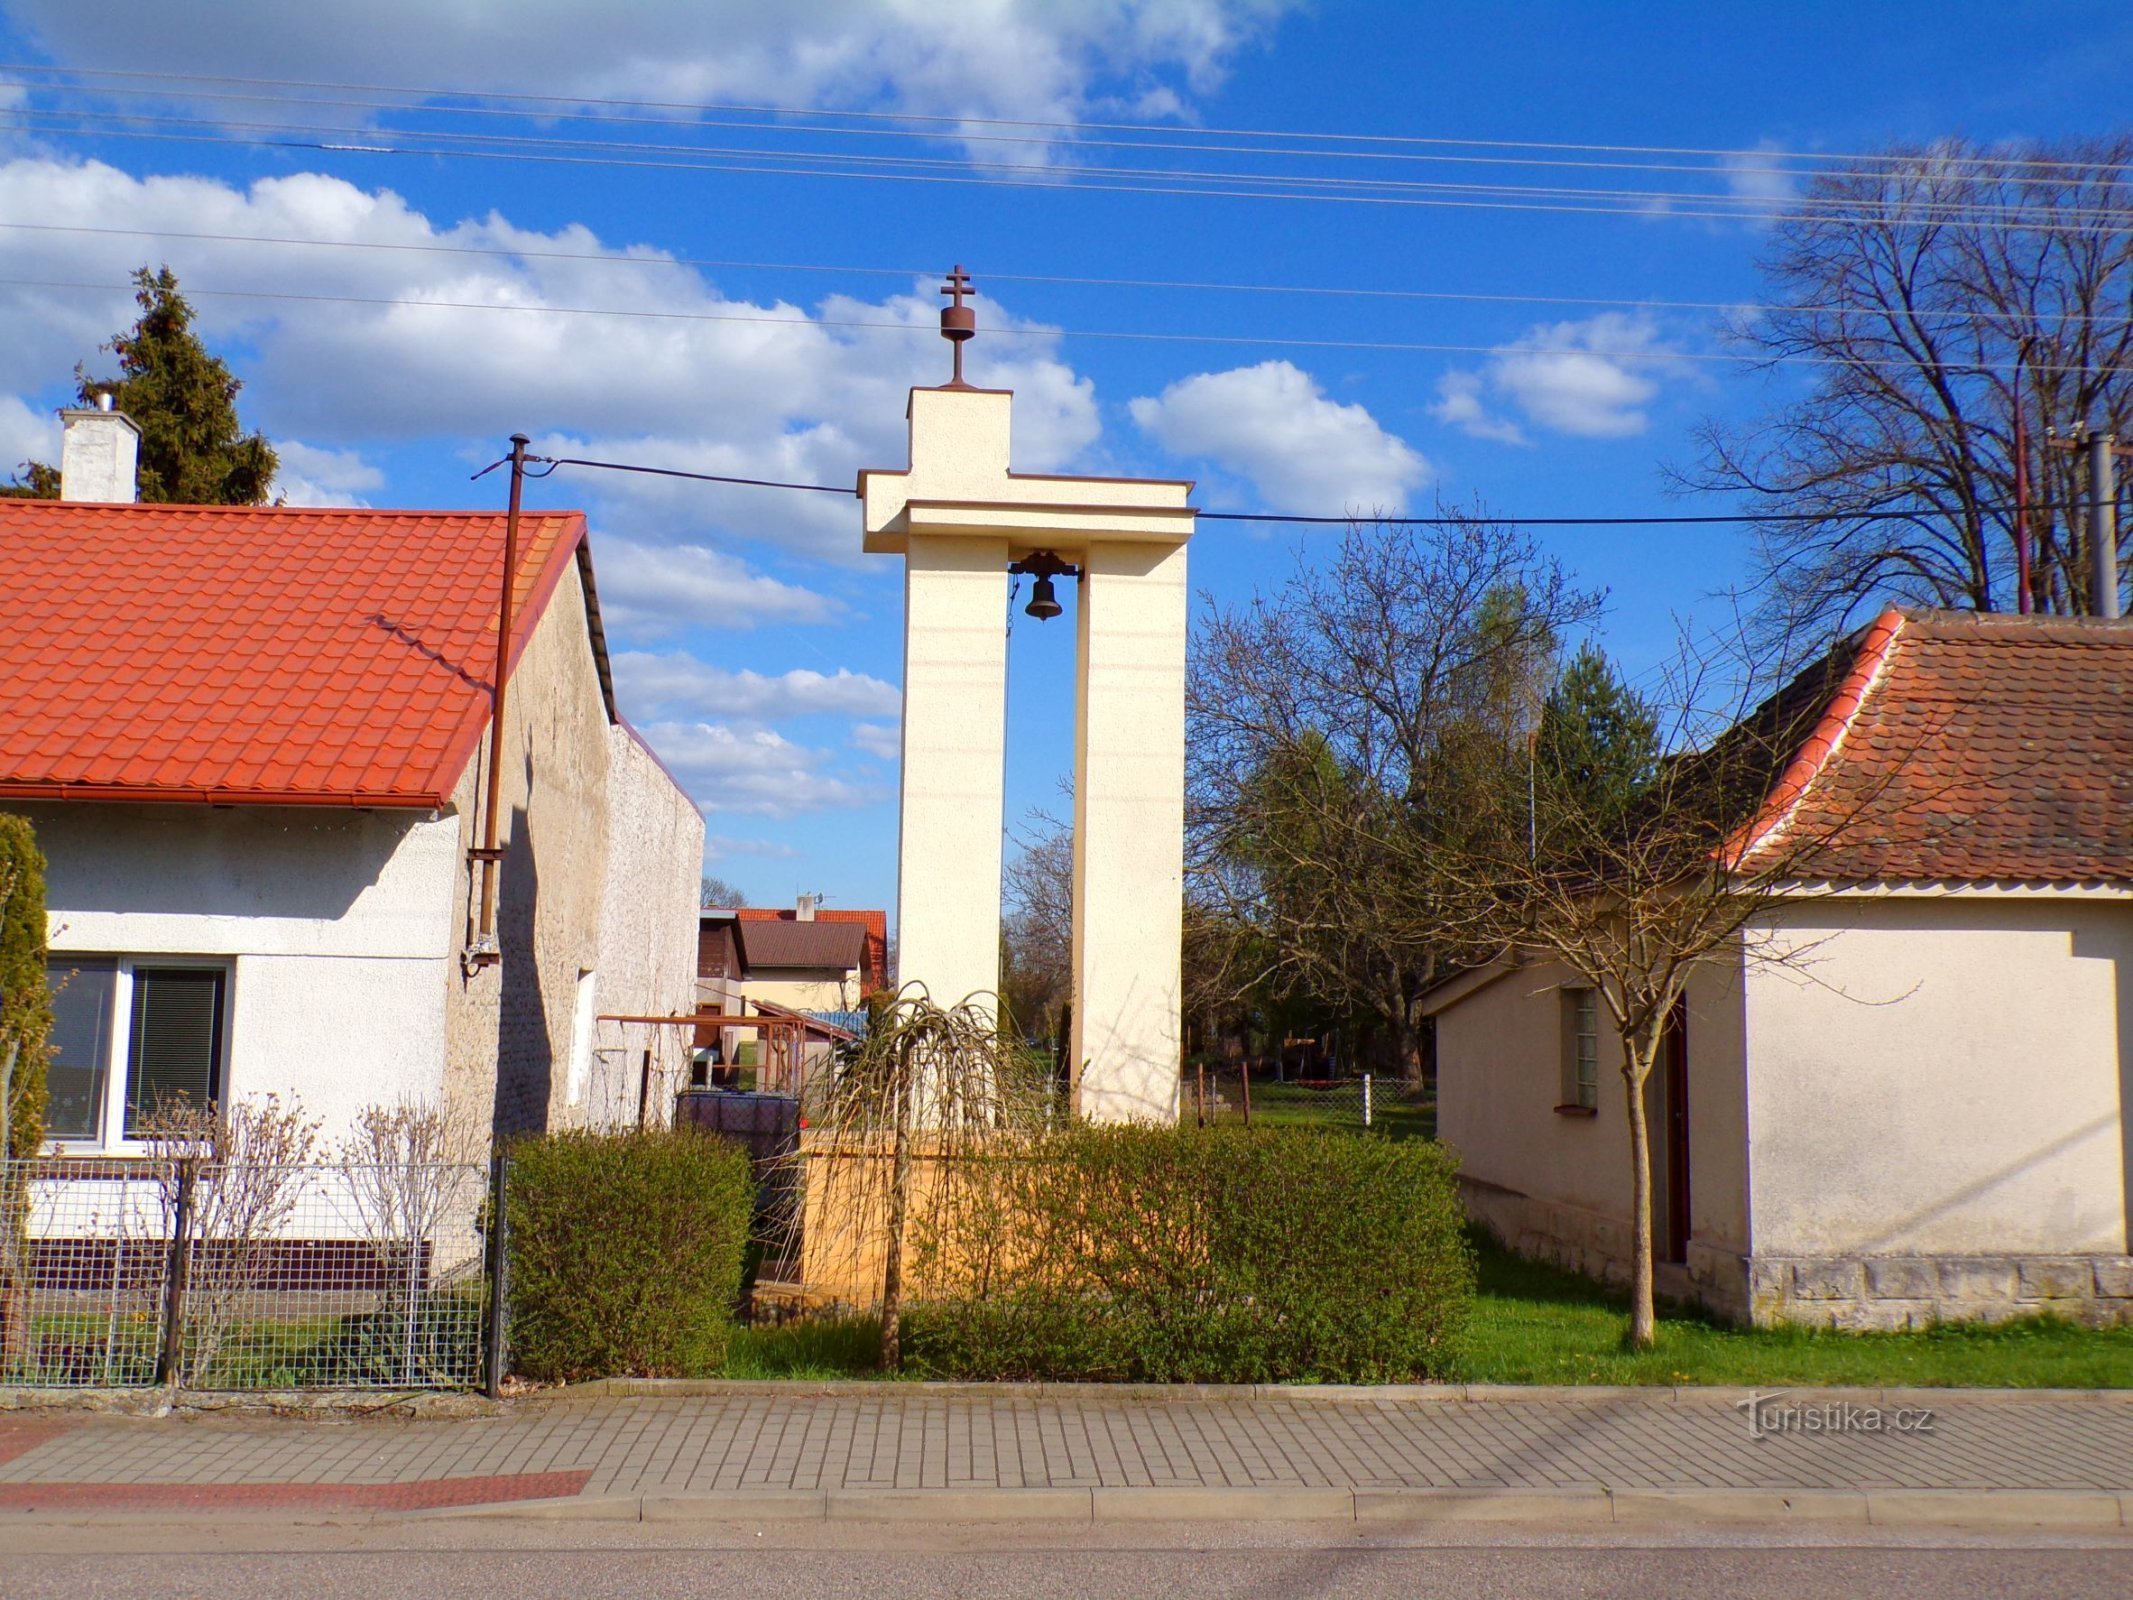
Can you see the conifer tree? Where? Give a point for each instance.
(194, 451)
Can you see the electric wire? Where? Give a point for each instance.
(1661, 205)
(1198, 286)
(1765, 152)
(1648, 356)
(1346, 519)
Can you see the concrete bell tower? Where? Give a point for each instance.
(962, 518)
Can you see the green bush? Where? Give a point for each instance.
(1208, 1255)
(625, 1253)
(25, 1004)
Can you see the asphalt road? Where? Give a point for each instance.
(462, 1559)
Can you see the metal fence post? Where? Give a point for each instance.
(170, 1360)
(499, 1275)
(1366, 1099)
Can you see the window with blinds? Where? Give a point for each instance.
(174, 1046)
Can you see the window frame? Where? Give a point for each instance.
(111, 1138)
(1578, 1083)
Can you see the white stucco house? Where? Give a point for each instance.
(253, 743)
(1924, 1115)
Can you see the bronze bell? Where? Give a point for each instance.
(1043, 603)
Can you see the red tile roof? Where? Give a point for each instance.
(874, 969)
(261, 655)
(1967, 748)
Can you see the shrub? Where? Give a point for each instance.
(1210, 1255)
(625, 1253)
(25, 1004)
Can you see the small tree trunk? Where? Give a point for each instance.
(892, 1269)
(1643, 1320)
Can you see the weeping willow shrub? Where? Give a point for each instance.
(896, 1130)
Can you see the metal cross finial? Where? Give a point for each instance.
(959, 323)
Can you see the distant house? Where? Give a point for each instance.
(1927, 1114)
(253, 743)
(806, 957)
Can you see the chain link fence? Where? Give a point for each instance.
(1263, 1094)
(211, 1275)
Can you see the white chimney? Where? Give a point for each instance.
(804, 907)
(100, 455)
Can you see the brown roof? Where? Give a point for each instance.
(1953, 746)
(801, 944)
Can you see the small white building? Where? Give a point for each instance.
(1924, 1114)
(253, 743)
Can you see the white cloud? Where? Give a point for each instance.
(723, 846)
(647, 591)
(26, 435)
(755, 770)
(776, 391)
(1760, 177)
(310, 476)
(1459, 403)
(1591, 379)
(1273, 425)
(882, 740)
(1038, 59)
(677, 686)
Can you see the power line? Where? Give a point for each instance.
(609, 258)
(958, 121)
(1330, 191)
(1344, 520)
(1176, 139)
(1272, 341)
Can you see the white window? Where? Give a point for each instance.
(1581, 1049)
(581, 1039)
(129, 1034)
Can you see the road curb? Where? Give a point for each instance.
(1882, 1508)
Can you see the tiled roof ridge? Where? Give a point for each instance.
(194, 508)
(1872, 648)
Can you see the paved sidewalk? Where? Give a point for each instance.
(946, 1451)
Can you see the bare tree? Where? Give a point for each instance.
(1926, 294)
(1037, 930)
(413, 1171)
(1334, 728)
(1634, 901)
(928, 1089)
(236, 1173)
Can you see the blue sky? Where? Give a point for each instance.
(755, 643)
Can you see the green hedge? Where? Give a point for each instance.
(1207, 1255)
(625, 1253)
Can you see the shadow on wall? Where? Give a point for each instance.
(245, 861)
(525, 1054)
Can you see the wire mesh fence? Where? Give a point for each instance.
(1264, 1094)
(214, 1275)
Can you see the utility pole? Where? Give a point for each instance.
(2102, 448)
(2103, 520)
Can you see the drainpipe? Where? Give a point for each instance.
(483, 951)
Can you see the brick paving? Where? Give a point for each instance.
(913, 1438)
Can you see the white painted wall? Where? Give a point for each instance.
(336, 924)
(648, 925)
(1499, 1079)
(1129, 833)
(1947, 1074)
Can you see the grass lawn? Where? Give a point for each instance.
(1295, 1105)
(1535, 1324)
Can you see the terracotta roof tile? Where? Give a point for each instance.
(254, 654)
(1983, 749)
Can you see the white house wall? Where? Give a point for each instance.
(1557, 1185)
(648, 930)
(335, 924)
(1944, 1075)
